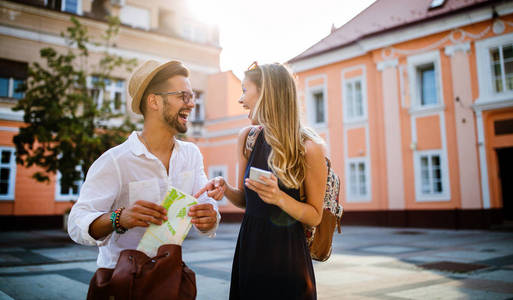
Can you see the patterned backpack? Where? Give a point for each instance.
(318, 238)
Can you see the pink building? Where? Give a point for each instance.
(415, 101)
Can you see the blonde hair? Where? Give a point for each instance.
(277, 109)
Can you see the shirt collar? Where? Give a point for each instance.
(138, 148)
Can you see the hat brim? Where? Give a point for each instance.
(136, 99)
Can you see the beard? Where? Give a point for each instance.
(172, 120)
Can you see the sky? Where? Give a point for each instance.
(270, 31)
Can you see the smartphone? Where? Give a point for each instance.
(255, 173)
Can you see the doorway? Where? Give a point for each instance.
(505, 162)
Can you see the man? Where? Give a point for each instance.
(137, 174)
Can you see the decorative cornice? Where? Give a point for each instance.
(391, 63)
(451, 49)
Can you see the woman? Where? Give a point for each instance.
(272, 260)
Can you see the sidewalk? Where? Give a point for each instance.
(367, 263)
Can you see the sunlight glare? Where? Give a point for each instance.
(208, 11)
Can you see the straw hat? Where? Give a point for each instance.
(140, 79)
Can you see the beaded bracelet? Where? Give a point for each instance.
(114, 218)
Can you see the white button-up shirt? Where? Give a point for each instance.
(125, 174)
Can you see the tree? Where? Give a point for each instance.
(66, 129)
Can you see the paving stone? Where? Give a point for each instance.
(499, 261)
(25, 258)
(390, 249)
(499, 275)
(469, 255)
(4, 296)
(212, 288)
(390, 272)
(455, 267)
(43, 287)
(443, 291)
(69, 253)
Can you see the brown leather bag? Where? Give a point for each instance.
(319, 238)
(137, 276)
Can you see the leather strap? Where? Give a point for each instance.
(251, 140)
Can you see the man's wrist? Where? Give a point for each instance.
(115, 218)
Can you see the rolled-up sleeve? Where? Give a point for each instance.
(200, 180)
(99, 191)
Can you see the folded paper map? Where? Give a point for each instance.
(175, 229)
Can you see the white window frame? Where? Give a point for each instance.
(79, 7)
(487, 93)
(345, 97)
(310, 102)
(135, 13)
(415, 62)
(111, 88)
(70, 196)
(201, 101)
(358, 197)
(10, 88)
(12, 173)
(224, 170)
(444, 172)
(194, 31)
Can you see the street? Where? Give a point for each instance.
(367, 263)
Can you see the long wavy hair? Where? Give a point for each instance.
(278, 110)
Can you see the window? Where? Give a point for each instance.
(354, 103)
(431, 177)
(113, 93)
(67, 192)
(427, 85)
(194, 31)
(72, 6)
(319, 107)
(7, 173)
(357, 179)
(494, 57)
(430, 174)
(9, 88)
(135, 17)
(198, 112)
(436, 4)
(316, 106)
(214, 171)
(424, 80)
(502, 68)
(12, 76)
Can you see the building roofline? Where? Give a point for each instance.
(298, 58)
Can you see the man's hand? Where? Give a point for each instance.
(142, 213)
(215, 188)
(204, 216)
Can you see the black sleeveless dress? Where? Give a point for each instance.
(272, 260)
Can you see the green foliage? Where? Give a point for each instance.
(65, 127)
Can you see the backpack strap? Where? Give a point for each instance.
(251, 140)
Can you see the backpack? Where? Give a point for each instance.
(318, 238)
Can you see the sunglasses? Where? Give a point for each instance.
(253, 66)
(185, 96)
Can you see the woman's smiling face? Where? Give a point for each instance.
(250, 95)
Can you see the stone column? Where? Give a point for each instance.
(393, 141)
(465, 126)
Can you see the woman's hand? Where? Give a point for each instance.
(215, 188)
(269, 191)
